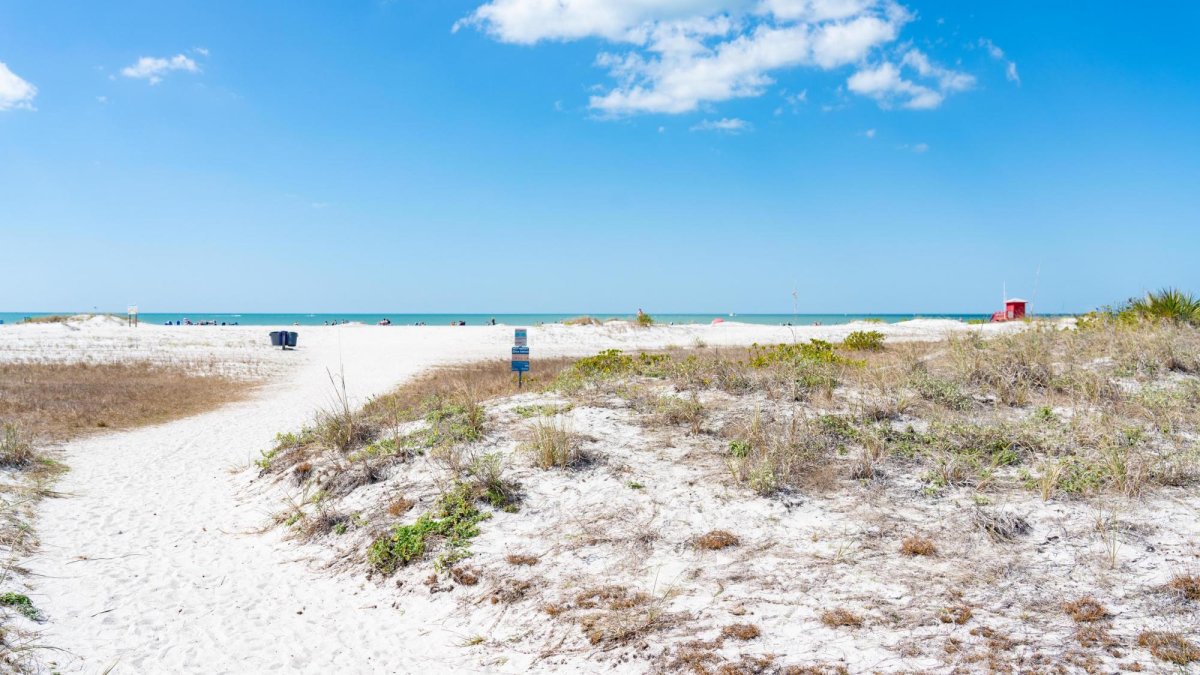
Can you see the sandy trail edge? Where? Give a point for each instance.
(155, 562)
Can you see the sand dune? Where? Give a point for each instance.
(155, 560)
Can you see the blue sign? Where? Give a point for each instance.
(520, 353)
(520, 359)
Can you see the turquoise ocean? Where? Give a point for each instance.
(398, 319)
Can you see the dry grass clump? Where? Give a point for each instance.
(479, 381)
(613, 615)
(1085, 610)
(817, 669)
(674, 410)
(399, 506)
(48, 318)
(770, 456)
(15, 449)
(465, 575)
(56, 401)
(1170, 647)
(840, 617)
(741, 631)
(958, 614)
(1186, 585)
(1000, 526)
(716, 540)
(554, 444)
(582, 321)
(521, 559)
(917, 545)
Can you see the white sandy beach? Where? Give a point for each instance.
(156, 559)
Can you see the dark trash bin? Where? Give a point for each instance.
(277, 339)
(291, 339)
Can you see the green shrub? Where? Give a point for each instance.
(817, 351)
(613, 363)
(21, 603)
(456, 518)
(864, 341)
(1168, 304)
(644, 320)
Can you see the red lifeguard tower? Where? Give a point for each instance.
(1014, 310)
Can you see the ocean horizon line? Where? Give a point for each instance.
(501, 318)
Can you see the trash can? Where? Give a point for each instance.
(277, 339)
(291, 339)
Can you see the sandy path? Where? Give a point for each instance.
(155, 563)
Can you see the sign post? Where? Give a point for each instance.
(520, 355)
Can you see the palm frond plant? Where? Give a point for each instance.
(1168, 304)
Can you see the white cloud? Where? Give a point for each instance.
(869, 133)
(1010, 68)
(15, 93)
(887, 84)
(202, 51)
(676, 56)
(154, 69)
(727, 125)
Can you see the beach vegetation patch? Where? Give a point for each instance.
(554, 444)
(1170, 647)
(543, 410)
(1168, 304)
(58, 401)
(864, 341)
(20, 603)
(1186, 585)
(716, 540)
(841, 618)
(917, 545)
(16, 450)
(455, 520)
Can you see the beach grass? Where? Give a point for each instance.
(56, 401)
(947, 456)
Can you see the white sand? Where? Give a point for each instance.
(156, 561)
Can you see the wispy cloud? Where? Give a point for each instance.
(918, 148)
(728, 125)
(1010, 67)
(678, 56)
(916, 82)
(154, 69)
(15, 93)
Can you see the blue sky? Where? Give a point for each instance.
(520, 155)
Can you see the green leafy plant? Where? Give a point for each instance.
(456, 518)
(22, 604)
(864, 341)
(1168, 304)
